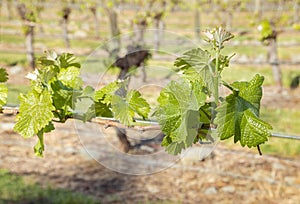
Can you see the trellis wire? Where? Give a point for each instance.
(141, 125)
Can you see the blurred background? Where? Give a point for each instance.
(98, 32)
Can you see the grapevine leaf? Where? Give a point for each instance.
(121, 110)
(3, 88)
(220, 36)
(89, 108)
(205, 113)
(70, 77)
(105, 94)
(68, 60)
(238, 114)
(3, 94)
(39, 147)
(178, 114)
(48, 74)
(196, 64)
(35, 113)
(137, 103)
(98, 109)
(48, 128)
(102, 110)
(199, 92)
(188, 128)
(62, 99)
(175, 147)
(3, 75)
(88, 92)
(265, 29)
(49, 67)
(50, 59)
(52, 64)
(255, 131)
(125, 108)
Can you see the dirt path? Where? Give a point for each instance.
(229, 177)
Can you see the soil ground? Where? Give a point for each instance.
(229, 176)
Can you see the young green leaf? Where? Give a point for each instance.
(217, 37)
(40, 147)
(124, 109)
(62, 97)
(102, 109)
(137, 103)
(3, 75)
(3, 88)
(3, 94)
(265, 30)
(70, 77)
(68, 60)
(238, 114)
(178, 114)
(197, 65)
(254, 131)
(35, 113)
(105, 94)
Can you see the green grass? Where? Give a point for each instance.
(245, 72)
(286, 53)
(14, 189)
(249, 51)
(282, 147)
(282, 120)
(287, 37)
(13, 93)
(7, 58)
(12, 39)
(51, 43)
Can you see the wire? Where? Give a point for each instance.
(142, 125)
(279, 135)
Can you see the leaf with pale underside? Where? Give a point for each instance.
(178, 114)
(124, 109)
(196, 65)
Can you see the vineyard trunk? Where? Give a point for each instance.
(157, 34)
(28, 19)
(139, 33)
(125, 145)
(9, 11)
(65, 20)
(114, 29)
(197, 24)
(273, 59)
(229, 20)
(96, 21)
(258, 9)
(29, 38)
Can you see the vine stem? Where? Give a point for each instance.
(216, 77)
(142, 125)
(259, 151)
(111, 122)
